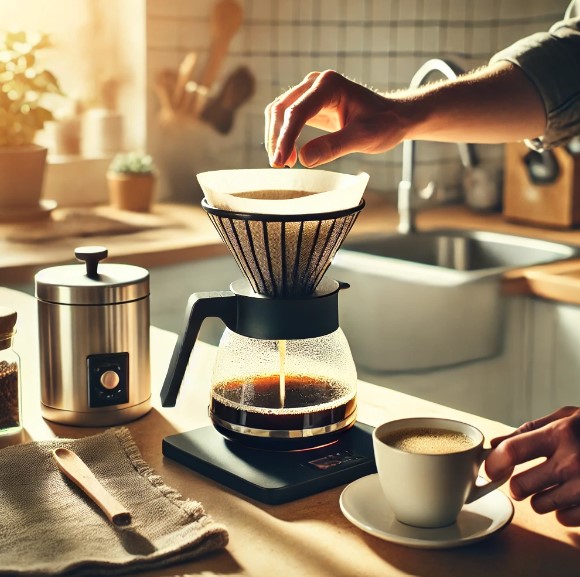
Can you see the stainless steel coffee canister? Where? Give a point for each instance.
(94, 341)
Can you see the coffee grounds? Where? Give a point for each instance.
(9, 403)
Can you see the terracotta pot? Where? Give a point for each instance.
(21, 176)
(131, 191)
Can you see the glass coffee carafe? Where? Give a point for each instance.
(284, 377)
(283, 393)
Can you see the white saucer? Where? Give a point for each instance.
(363, 504)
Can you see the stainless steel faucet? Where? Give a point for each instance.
(405, 192)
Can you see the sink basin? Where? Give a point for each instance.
(430, 299)
(464, 250)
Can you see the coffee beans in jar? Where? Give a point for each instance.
(10, 417)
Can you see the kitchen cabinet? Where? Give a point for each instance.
(496, 386)
(536, 372)
(553, 356)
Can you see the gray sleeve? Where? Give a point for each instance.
(551, 60)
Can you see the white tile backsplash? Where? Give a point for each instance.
(380, 43)
(259, 9)
(193, 35)
(163, 34)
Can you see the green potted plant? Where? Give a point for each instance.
(24, 84)
(131, 177)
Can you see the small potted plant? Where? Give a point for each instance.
(131, 177)
(24, 84)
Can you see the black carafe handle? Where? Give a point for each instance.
(220, 304)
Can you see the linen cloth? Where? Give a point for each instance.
(48, 526)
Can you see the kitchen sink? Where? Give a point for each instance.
(464, 250)
(430, 299)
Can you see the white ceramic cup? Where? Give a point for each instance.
(429, 490)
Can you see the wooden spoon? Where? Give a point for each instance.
(76, 470)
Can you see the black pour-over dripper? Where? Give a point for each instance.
(283, 255)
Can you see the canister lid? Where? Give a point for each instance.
(93, 283)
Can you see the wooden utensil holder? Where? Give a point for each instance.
(555, 205)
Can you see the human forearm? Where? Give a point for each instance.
(494, 104)
(490, 105)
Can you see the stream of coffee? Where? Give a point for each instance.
(282, 356)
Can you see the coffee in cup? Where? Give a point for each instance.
(428, 468)
(428, 440)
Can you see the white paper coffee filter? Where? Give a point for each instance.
(332, 190)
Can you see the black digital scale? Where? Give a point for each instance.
(274, 477)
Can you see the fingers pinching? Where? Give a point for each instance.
(279, 142)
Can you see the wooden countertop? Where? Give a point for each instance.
(309, 536)
(179, 233)
(170, 234)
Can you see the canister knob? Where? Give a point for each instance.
(92, 255)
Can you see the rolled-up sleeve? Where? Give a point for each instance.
(551, 61)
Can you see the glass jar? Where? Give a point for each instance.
(10, 403)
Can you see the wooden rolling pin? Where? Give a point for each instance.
(226, 20)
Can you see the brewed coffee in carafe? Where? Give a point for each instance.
(280, 391)
(284, 377)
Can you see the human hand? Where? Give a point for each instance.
(357, 118)
(554, 484)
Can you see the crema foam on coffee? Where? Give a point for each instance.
(428, 440)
